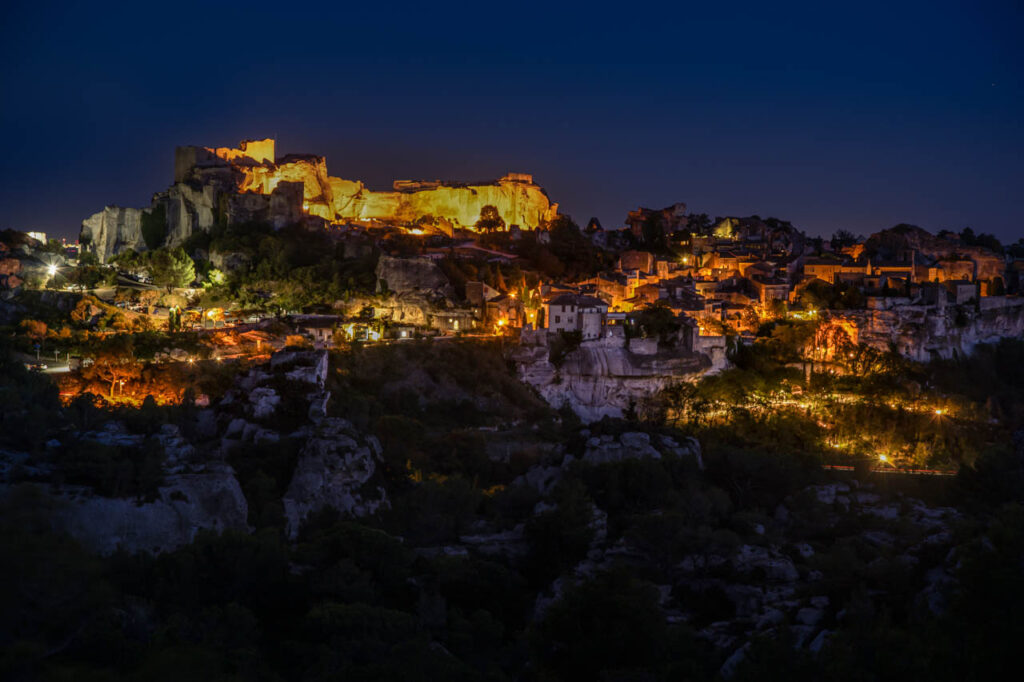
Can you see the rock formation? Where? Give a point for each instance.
(112, 231)
(250, 184)
(924, 333)
(334, 470)
(904, 239)
(604, 378)
(197, 494)
(411, 276)
(208, 499)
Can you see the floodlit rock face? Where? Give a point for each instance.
(307, 170)
(518, 200)
(113, 230)
(924, 333)
(407, 309)
(603, 378)
(249, 184)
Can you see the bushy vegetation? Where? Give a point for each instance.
(865, 405)
(435, 406)
(384, 598)
(289, 269)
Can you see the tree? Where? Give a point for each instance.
(490, 220)
(499, 280)
(34, 329)
(656, 321)
(775, 309)
(172, 268)
(215, 277)
(843, 238)
(154, 226)
(654, 233)
(698, 223)
(114, 361)
(174, 319)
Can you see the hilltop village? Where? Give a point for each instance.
(277, 425)
(497, 258)
(242, 235)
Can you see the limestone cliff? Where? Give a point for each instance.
(603, 378)
(334, 470)
(199, 493)
(925, 333)
(518, 200)
(226, 185)
(112, 231)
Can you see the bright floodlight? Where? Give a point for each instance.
(51, 270)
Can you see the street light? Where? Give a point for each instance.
(51, 269)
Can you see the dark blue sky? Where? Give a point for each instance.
(832, 115)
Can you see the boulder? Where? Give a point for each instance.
(769, 562)
(334, 470)
(264, 402)
(210, 499)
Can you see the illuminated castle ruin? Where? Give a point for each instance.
(519, 201)
(226, 185)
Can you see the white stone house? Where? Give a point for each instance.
(573, 312)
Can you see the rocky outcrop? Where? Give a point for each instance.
(634, 445)
(249, 184)
(207, 499)
(925, 333)
(113, 230)
(334, 470)
(199, 493)
(519, 202)
(903, 239)
(411, 276)
(604, 378)
(188, 209)
(607, 448)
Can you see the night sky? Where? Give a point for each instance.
(832, 115)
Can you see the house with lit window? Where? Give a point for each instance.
(575, 312)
